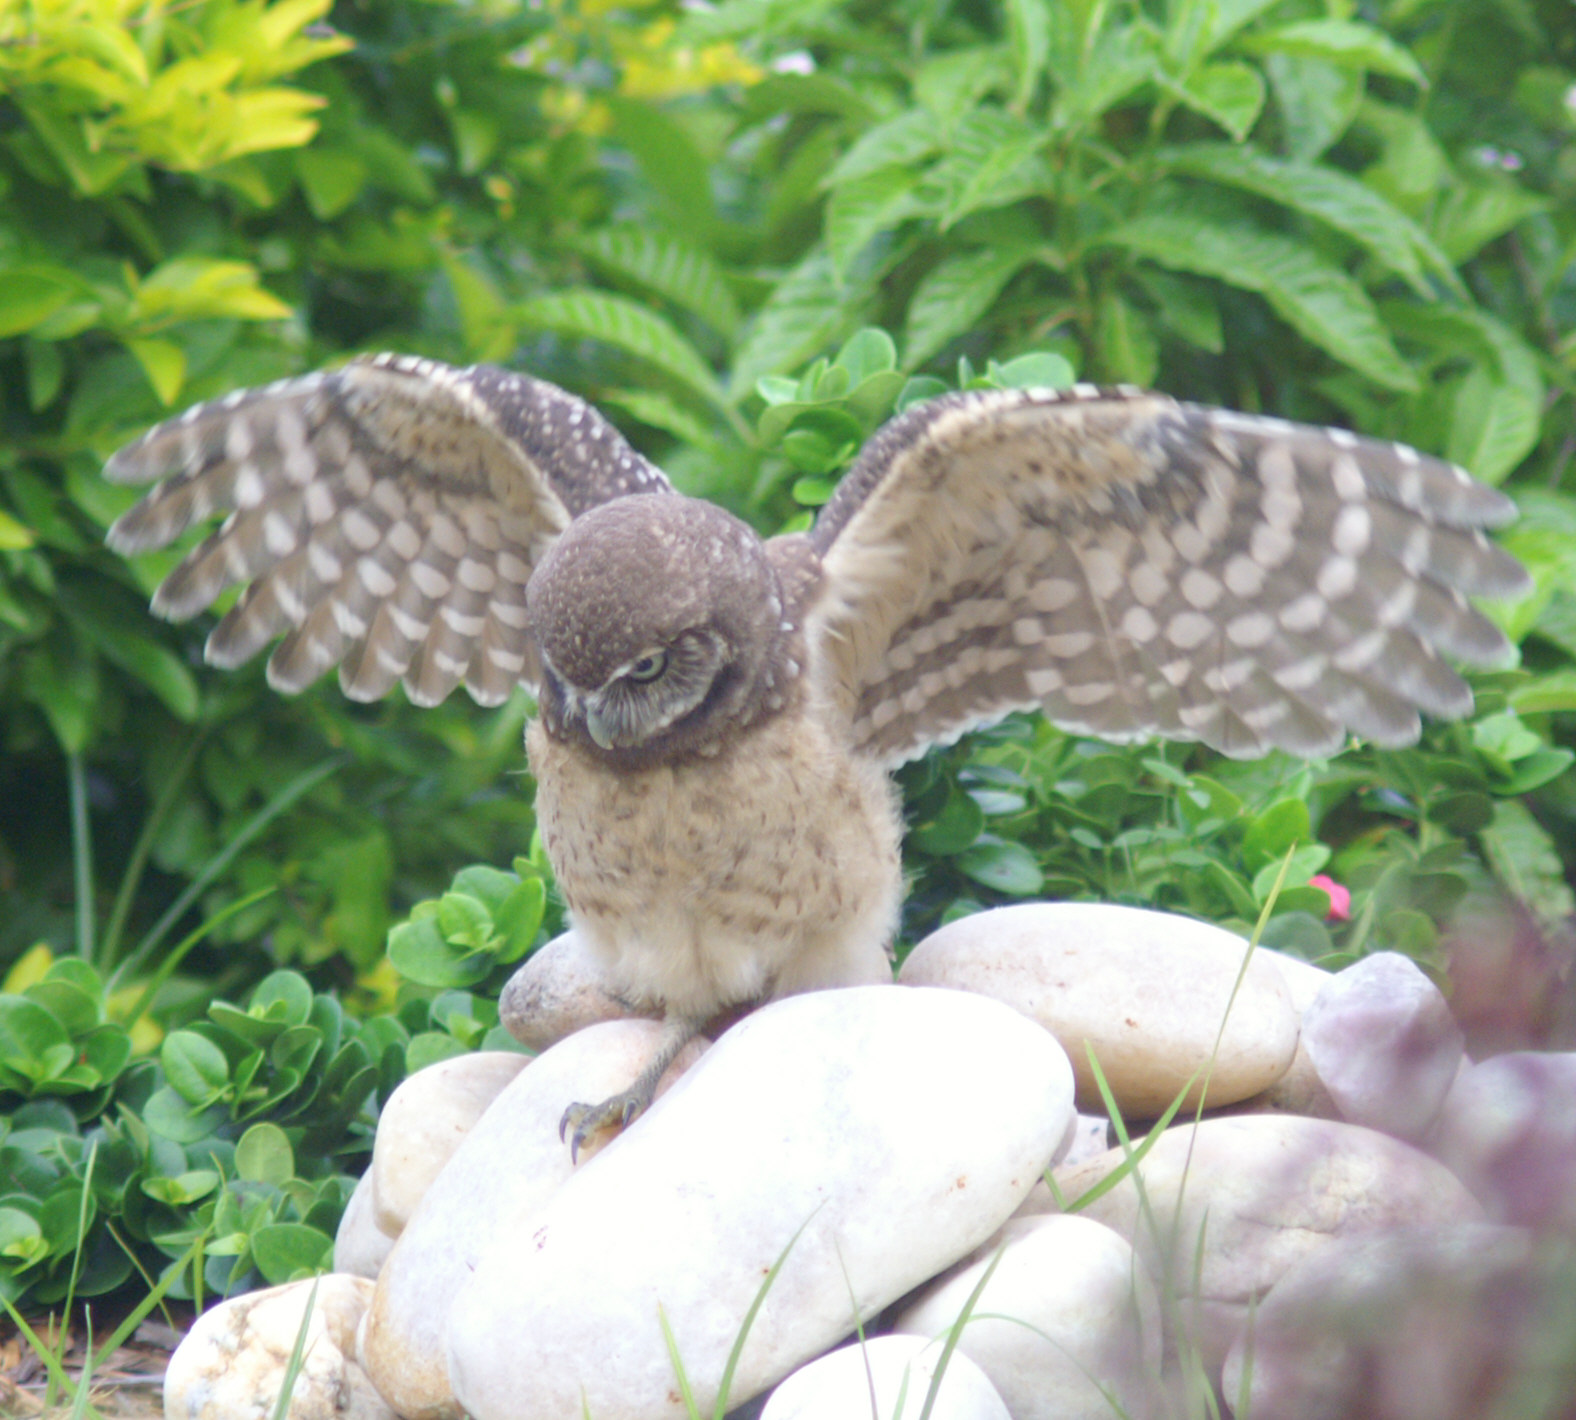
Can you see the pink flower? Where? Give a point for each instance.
(1340, 897)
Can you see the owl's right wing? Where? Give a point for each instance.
(1136, 566)
(384, 517)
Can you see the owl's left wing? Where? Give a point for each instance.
(383, 517)
(1136, 566)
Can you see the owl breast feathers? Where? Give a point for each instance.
(1129, 564)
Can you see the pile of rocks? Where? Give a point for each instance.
(842, 1176)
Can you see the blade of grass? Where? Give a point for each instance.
(302, 784)
(142, 849)
(79, 1402)
(685, 1392)
(954, 1332)
(177, 954)
(297, 1357)
(726, 1383)
(81, 852)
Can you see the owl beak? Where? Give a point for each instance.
(598, 728)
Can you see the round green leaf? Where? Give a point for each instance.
(264, 1155)
(285, 1251)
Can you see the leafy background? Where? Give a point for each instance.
(748, 233)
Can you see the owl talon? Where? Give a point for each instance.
(582, 1121)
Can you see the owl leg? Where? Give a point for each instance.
(581, 1121)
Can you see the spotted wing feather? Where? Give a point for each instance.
(383, 518)
(1137, 566)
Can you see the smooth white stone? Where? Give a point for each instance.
(1400, 1325)
(868, 1137)
(557, 992)
(360, 1246)
(1088, 1138)
(840, 1385)
(232, 1363)
(510, 1162)
(1147, 991)
(423, 1123)
(1507, 1129)
(1381, 1036)
(1299, 1090)
(1261, 1191)
(1068, 1321)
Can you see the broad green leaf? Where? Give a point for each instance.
(1275, 830)
(195, 1067)
(672, 161)
(1323, 193)
(1554, 690)
(331, 179)
(1226, 17)
(1319, 301)
(1129, 351)
(955, 827)
(862, 208)
(1472, 214)
(1345, 42)
(954, 295)
(665, 265)
(1317, 101)
(948, 86)
(989, 163)
(1005, 866)
(616, 321)
(282, 996)
(1230, 93)
(1124, 59)
(1187, 308)
(14, 536)
(1029, 40)
(163, 362)
(63, 682)
(900, 141)
(286, 1251)
(32, 1041)
(661, 411)
(121, 638)
(1493, 424)
(263, 1155)
(1525, 860)
(808, 310)
(29, 296)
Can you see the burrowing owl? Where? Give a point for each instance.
(718, 714)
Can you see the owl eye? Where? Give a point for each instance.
(648, 667)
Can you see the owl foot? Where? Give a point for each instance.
(582, 1121)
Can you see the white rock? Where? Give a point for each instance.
(1299, 1090)
(1410, 1324)
(1508, 1130)
(1088, 1138)
(867, 1136)
(1068, 1315)
(232, 1363)
(360, 1246)
(1147, 991)
(511, 1161)
(844, 1384)
(423, 1123)
(557, 992)
(1261, 1191)
(1381, 1036)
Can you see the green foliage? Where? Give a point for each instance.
(750, 233)
(232, 1138)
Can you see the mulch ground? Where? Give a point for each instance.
(125, 1385)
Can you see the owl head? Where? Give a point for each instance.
(659, 621)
